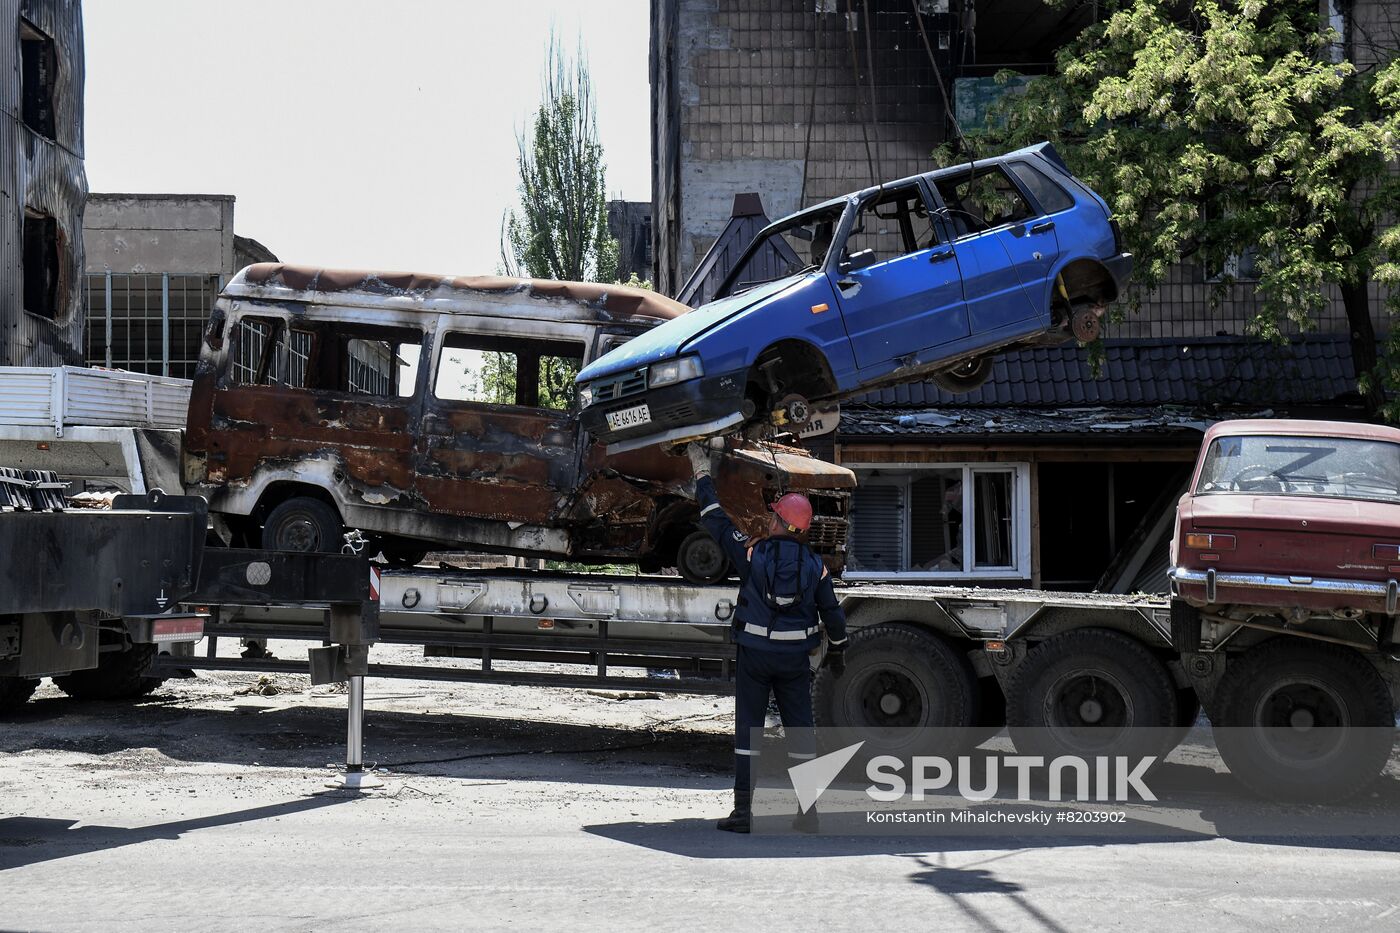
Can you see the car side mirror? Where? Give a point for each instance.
(861, 260)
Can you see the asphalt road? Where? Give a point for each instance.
(200, 809)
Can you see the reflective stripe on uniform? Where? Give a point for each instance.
(779, 634)
(709, 508)
(801, 755)
(746, 751)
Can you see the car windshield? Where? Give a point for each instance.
(795, 245)
(1333, 467)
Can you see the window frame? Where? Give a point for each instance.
(905, 231)
(903, 474)
(325, 337)
(445, 333)
(946, 212)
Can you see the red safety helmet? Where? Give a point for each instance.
(795, 511)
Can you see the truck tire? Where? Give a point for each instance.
(303, 524)
(15, 692)
(701, 560)
(1274, 702)
(119, 675)
(904, 691)
(1091, 692)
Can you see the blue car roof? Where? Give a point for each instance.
(1045, 151)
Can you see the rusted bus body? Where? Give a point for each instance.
(340, 386)
(45, 184)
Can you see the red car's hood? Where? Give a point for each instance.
(1302, 513)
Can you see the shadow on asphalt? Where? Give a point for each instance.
(27, 840)
(1196, 803)
(434, 744)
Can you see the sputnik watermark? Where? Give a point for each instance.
(1102, 779)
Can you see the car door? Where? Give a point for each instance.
(989, 218)
(498, 433)
(896, 280)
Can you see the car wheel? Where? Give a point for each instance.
(701, 560)
(1304, 720)
(303, 524)
(966, 376)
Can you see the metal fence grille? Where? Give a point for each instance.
(148, 322)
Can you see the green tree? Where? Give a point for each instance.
(1213, 127)
(560, 229)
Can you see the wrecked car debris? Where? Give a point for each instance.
(427, 410)
(924, 277)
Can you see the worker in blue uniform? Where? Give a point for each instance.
(784, 589)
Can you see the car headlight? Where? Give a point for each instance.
(585, 395)
(673, 371)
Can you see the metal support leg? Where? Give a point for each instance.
(355, 777)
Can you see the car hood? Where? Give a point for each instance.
(1223, 511)
(665, 341)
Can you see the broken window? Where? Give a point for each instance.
(1051, 196)
(363, 360)
(508, 371)
(38, 74)
(799, 244)
(894, 224)
(913, 522)
(41, 265)
(982, 200)
(256, 351)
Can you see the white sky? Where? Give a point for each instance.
(356, 134)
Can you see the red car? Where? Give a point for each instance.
(1301, 516)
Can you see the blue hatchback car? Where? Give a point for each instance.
(926, 277)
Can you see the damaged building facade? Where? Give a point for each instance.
(1052, 474)
(41, 160)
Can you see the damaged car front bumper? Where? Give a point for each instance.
(625, 415)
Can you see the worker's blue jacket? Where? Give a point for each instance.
(784, 586)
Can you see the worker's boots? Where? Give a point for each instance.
(738, 819)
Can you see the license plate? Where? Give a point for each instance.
(629, 417)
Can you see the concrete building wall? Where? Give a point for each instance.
(779, 97)
(183, 233)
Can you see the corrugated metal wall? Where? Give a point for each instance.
(45, 175)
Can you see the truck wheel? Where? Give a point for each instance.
(119, 675)
(1304, 721)
(1091, 692)
(904, 690)
(701, 560)
(303, 524)
(15, 692)
(964, 377)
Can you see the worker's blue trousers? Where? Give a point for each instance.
(787, 675)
